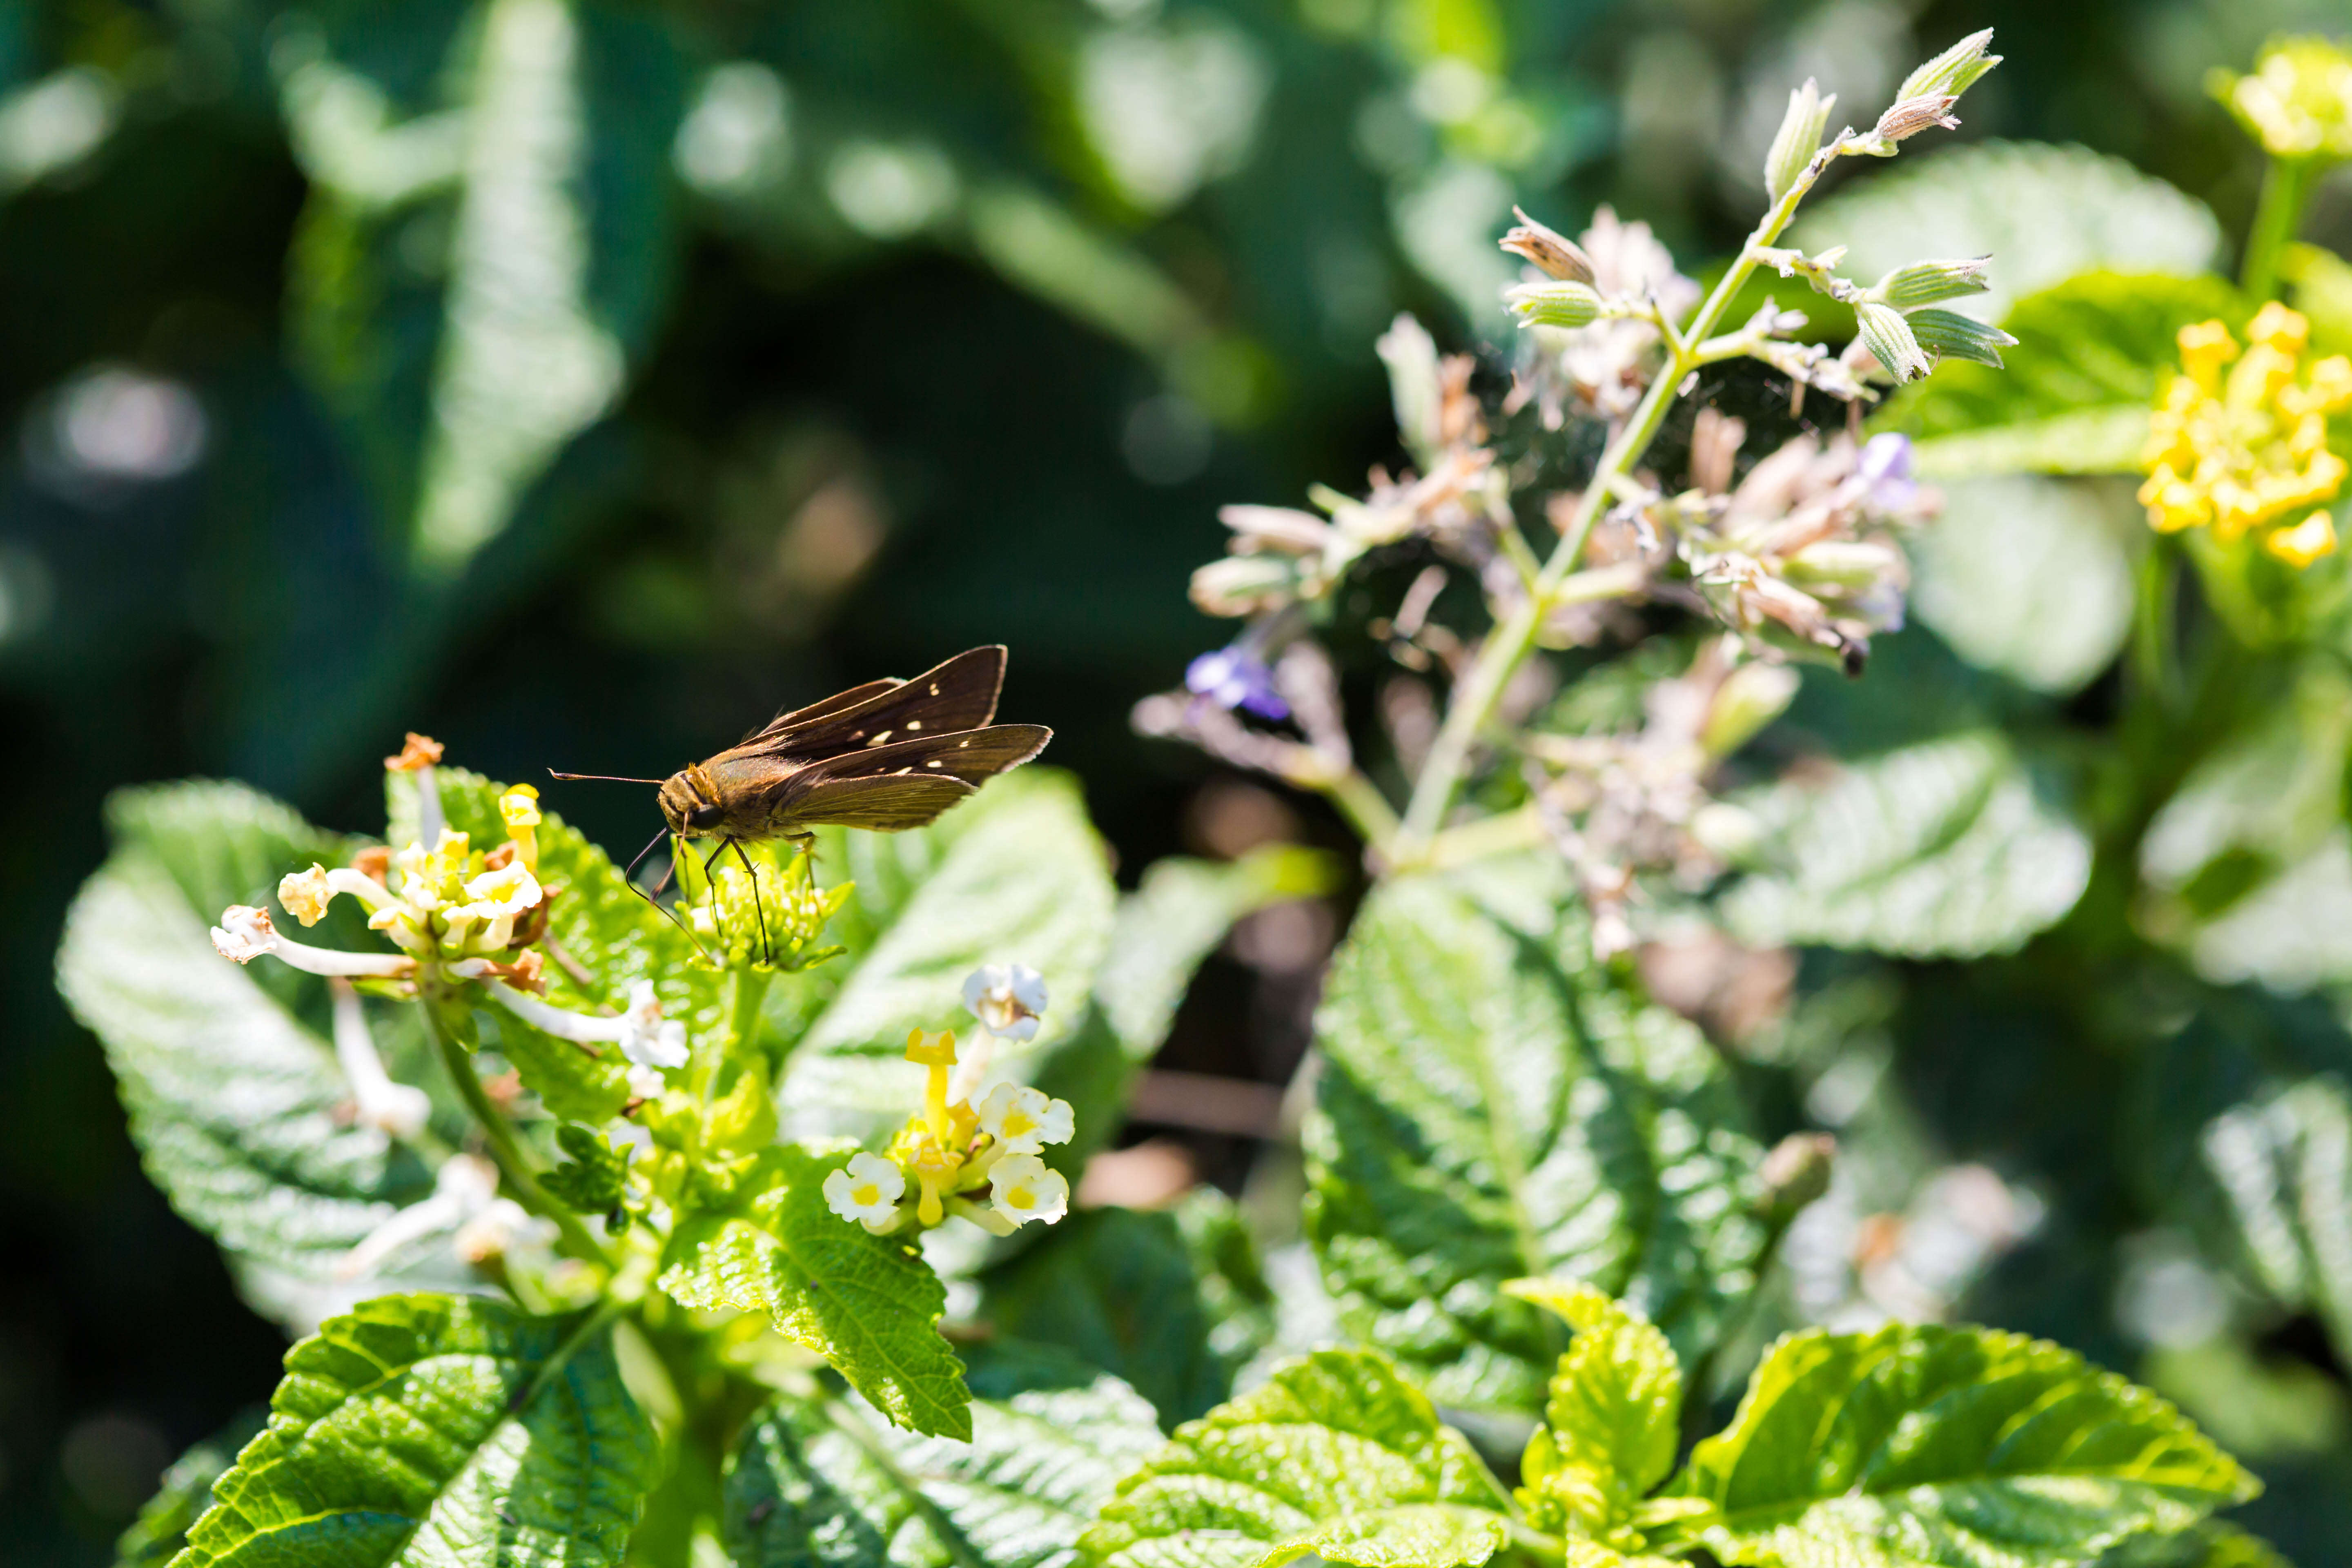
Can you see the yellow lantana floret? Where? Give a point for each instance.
(2238, 454)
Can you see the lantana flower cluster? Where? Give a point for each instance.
(2243, 453)
(459, 916)
(2297, 101)
(973, 1151)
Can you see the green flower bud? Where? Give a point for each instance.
(1954, 71)
(1750, 696)
(1890, 341)
(1796, 1173)
(1799, 138)
(1926, 282)
(1948, 335)
(1247, 584)
(1561, 304)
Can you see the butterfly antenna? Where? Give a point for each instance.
(602, 778)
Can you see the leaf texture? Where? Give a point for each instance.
(825, 1480)
(1927, 1446)
(237, 1105)
(869, 1304)
(1495, 1105)
(1953, 847)
(441, 1431)
(1336, 1455)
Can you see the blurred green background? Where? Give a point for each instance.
(578, 383)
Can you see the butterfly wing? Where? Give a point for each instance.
(966, 759)
(825, 708)
(958, 695)
(883, 805)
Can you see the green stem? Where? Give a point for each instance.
(2155, 653)
(2286, 186)
(751, 990)
(1366, 808)
(514, 1167)
(1508, 644)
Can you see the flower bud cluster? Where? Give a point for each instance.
(2298, 103)
(973, 1151)
(1593, 341)
(1283, 556)
(2243, 453)
(747, 910)
(1801, 557)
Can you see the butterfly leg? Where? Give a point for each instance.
(653, 899)
(767, 948)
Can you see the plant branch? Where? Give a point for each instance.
(514, 1167)
(1507, 645)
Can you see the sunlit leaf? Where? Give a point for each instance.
(1337, 1455)
(1494, 1105)
(1955, 847)
(432, 1429)
(1925, 1446)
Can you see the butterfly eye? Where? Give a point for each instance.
(703, 816)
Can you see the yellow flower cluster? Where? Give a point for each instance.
(2236, 453)
(2298, 99)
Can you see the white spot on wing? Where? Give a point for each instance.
(961, 744)
(879, 737)
(932, 763)
(935, 689)
(914, 725)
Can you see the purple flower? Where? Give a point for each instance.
(1886, 470)
(1236, 677)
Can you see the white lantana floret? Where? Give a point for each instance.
(1022, 1189)
(245, 933)
(399, 1109)
(1025, 1120)
(646, 1038)
(651, 1041)
(1007, 999)
(866, 1190)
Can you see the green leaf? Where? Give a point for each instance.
(1016, 874)
(2285, 1163)
(1172, 1307)
(1953, 847)
(2209, 1545)
(2075, 393)
(1614, 1420)
(2043, 213)
(825, 1481)
(488, 243)
(2248, 867)
(867, 1303)
(238, 1106)
(595, 1180)
(1493, 1105)
(432, 1429)
(1162, 932)
(159, 1533)
(1926, 1446)
(2031, 577)
(1176, 917)
(1336, 1455)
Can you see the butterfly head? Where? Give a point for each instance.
(690, 801)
